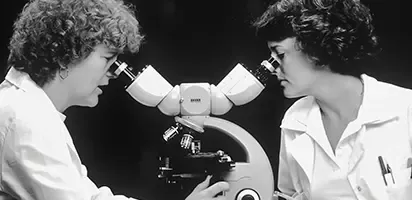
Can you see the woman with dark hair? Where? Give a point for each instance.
(60, 53)
(349, 135)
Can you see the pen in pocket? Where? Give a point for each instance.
(386, 171)
(383, 169)
(409, 164)
(390, 172)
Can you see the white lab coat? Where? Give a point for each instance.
(384, 125)
(38, 160)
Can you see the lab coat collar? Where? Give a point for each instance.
(301, 118)
(62, 116)
(303, 150)
(371, 111)
(23, 81)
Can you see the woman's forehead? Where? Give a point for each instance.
(286, 43)
(102, 48)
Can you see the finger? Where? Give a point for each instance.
(119, 197)
(409, 119)
(216, 188)
(203, 185)
(220, 198)
(105, 190)
(103, 193)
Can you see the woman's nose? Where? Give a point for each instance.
(277, 71)
(273, 55)
(110, 75)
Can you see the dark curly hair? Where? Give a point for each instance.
(51, 34)
(334, 33)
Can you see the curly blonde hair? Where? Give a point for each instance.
(51, 34)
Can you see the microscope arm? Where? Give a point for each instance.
(254, 176)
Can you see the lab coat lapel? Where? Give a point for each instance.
(72, 149)
(69, 142)
(302, 149)
(358, 150)
(24, 82)
(371, 112)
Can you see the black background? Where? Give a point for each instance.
(197, 41)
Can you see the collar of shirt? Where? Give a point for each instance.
(298, 117)
(23, 81)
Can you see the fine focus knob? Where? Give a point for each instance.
(247, 194)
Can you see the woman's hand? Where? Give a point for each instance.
(204, 192)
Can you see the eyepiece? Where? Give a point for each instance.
(122, 71)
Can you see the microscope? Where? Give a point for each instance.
(194, 107)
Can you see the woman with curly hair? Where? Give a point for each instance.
(349, 135)
(60, 53)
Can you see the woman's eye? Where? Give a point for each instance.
(281, 56)
(111, 75)
(109, 58)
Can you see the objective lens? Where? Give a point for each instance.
(170, 133)
(186, 141)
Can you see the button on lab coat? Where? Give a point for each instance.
(384, 128)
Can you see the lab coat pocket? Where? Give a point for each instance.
(402, 189)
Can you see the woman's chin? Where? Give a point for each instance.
(291, 94)
(90, 101)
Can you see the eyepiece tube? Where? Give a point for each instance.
(123, 72)
(265, 70)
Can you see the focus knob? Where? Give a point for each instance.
(247, 194)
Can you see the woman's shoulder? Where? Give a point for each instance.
(302, 105)
(389, 93)
(18, 105)
(296, 115)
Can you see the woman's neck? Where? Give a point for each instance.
(339, 96)
(58, 94)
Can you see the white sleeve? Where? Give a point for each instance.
(410, 125)
(106, 194)
(37, 165)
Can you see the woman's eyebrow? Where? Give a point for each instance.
(274, 47)
(114, 52)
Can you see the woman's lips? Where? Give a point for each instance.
(100, 91)
(283, 82)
